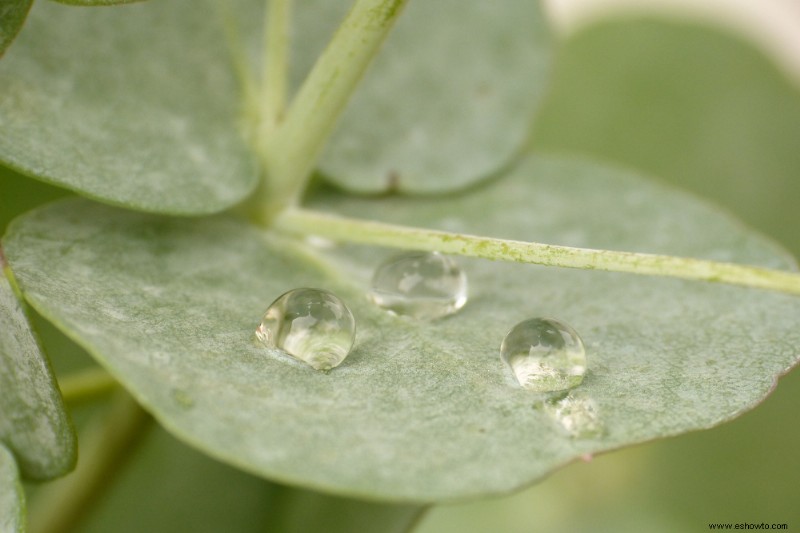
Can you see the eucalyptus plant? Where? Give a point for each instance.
(221, 157)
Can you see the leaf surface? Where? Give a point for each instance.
(33, 423)
(12, 17)
(448, 101)
(419, 411)
(132, 105)
(12, 497)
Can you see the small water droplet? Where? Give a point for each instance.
(545, 355)
(311, 325)
(577, 414)
(423, 285)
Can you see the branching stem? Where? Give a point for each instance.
(238, 55)
(338, 228)
(289, 153)
(275, 70)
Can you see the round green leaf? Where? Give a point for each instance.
(33, 423)
(132, 105)
(12, 17)
(448, 101)
(12, 497)
(419, 411)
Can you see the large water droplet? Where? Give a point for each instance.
(311, 325)
(577, 414)
(422, 285)
(545, 355)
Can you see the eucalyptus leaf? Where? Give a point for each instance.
(132, 105)
(33, 423)
(12, 17)
(12, 497)
(419, 411)
(448, 101)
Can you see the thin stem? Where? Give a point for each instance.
(59, 506)
(87, 384)
(238, 55)
(290, 152)
(275, 70)
(337, 228)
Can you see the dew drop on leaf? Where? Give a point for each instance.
(311, 325)
(545, 355)
(423, 285)
(577, 414)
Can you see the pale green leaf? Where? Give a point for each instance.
(133, 105)
(33, 423)
(420, 411)
(12, 497)
(12, 17)
(448, 101)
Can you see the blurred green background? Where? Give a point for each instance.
(691, 105)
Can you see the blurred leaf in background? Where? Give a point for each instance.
(693, 105)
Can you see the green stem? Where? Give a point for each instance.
(85, 385)
(289, 153)
(276, 65)
(59, 506)
(236, 51)
(337, 228)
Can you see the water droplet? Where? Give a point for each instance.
(422, 285)
(311, 325)
(577, 414)
(545, 355)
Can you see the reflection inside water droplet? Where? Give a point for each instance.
(423, 285)
(311, 325)
(576, 413)
(545, 355)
